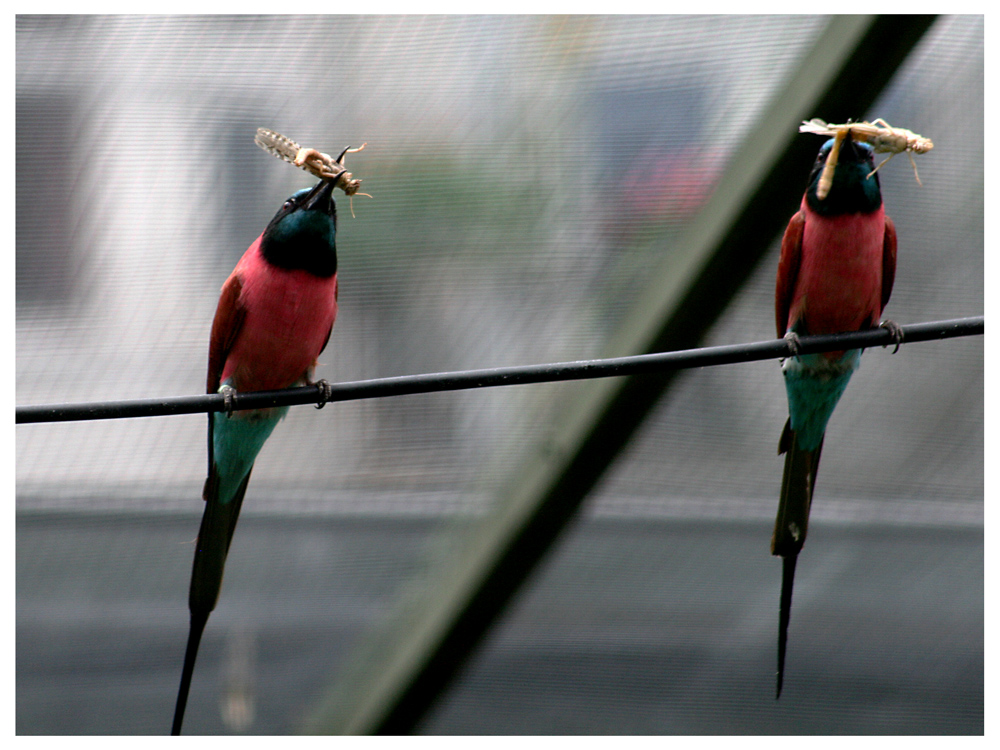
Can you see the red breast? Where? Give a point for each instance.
(839, 284)
(288, 316)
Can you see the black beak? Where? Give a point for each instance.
(320, 197)
(849, 150)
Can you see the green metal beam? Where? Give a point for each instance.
(395, 678)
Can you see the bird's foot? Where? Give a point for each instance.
(792, 339)
(895, 330)
(228, 394)
(325, 392)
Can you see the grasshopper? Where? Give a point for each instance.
(313, 161)
(883, 138)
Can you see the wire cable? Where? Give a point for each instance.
(493, 377)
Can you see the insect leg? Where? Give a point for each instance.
(914, 163)
(883, 162)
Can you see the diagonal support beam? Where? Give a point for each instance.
(394, 679)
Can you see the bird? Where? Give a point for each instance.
(835, 275)
(274, 318)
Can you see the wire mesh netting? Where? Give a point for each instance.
(528, 173)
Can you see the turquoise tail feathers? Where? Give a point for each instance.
(235, 441)
(814, 384)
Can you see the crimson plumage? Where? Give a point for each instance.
(270, 325)
(835, 275)
(274, 318)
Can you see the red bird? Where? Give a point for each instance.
(274, 317)
(838, 262)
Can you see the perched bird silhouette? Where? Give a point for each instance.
(838, 262)
(274, 317)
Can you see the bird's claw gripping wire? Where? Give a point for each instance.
(325, 392)
(228, 394)
(896, 331)
(792, 339)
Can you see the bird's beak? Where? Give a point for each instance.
(320, 197)
(849, 150)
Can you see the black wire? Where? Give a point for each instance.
(545, 373)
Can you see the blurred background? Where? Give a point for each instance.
(528, 174)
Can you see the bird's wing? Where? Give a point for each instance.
(226, 326)
(229, 316)
(888, 261)
(788, 270)
(336, 291)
